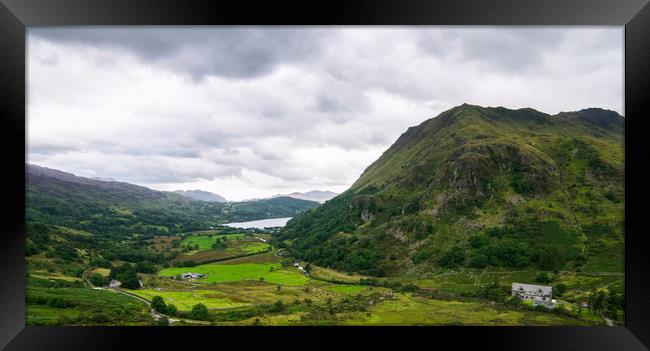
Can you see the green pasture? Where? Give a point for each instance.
(205, 242)
(220, 273)
(185, 300)
(406, 309)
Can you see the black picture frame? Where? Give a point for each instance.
(16, 15)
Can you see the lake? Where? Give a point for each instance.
(261, 223)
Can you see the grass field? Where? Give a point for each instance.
(411, 310)
(219, 273)
(332, 275)
(49, 304)
(255, 247)
(184, 300)
(347, 289)
(237, 245)
(205, 242)
(471, 280)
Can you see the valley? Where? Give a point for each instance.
(434, 232)
(267, 289)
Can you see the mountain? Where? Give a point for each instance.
(479, 187)
(69, 186)
(104, 179)
(118, 209)
(201, 195)
(314, 195)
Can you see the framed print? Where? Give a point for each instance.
(350, 173)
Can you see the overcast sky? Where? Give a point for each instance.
(249, 112)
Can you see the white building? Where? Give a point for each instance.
(540, 295)
(114, 283)
(192, 275)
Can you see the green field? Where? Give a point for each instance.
(220, 273)
(47, 303)
(347, 289)
(235, 245)
(407, 309)
(184, 300)
(255, 247)
(205, 242)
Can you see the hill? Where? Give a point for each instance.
(201, 195)
(314, 195)
(117, 208)
(479, 187)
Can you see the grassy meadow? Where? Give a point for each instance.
(219, 273)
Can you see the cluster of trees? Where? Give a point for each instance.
(609, 302)
(158, 304)
(544, 245)
(220, 243)
(198, 312)
(127, 275)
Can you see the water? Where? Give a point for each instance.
(261, 223)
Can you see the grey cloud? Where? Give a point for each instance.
(45, 148)
(507, 49)
(230, 52)
(353, 94)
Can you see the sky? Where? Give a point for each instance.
(250, 112)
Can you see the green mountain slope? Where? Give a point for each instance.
(479, 187)
(117, 208)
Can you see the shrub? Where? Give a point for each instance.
(158, 304)
(171, 310)
(543, 278)
(560, 289)
(452, 258)
(478, 261)
(199, 312)
(98, 280)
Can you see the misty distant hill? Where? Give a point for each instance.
(314, 195)
(201, 195)
(115, 208)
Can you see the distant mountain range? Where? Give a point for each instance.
(201, 195)
(314, 195)
(111, 207)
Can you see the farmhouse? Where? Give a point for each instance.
(540, 295)
(114, 283)
(192, 275)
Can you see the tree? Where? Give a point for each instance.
(145, 267)
(278, 306)
(199, 312)
(98, 280)
(478, 261)
(560, 289)
(131, 282)
(158, 304)
(549, 257)
(454, 257)
(492, 291)
(543, 278)
(598, 300)
(172, 310)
